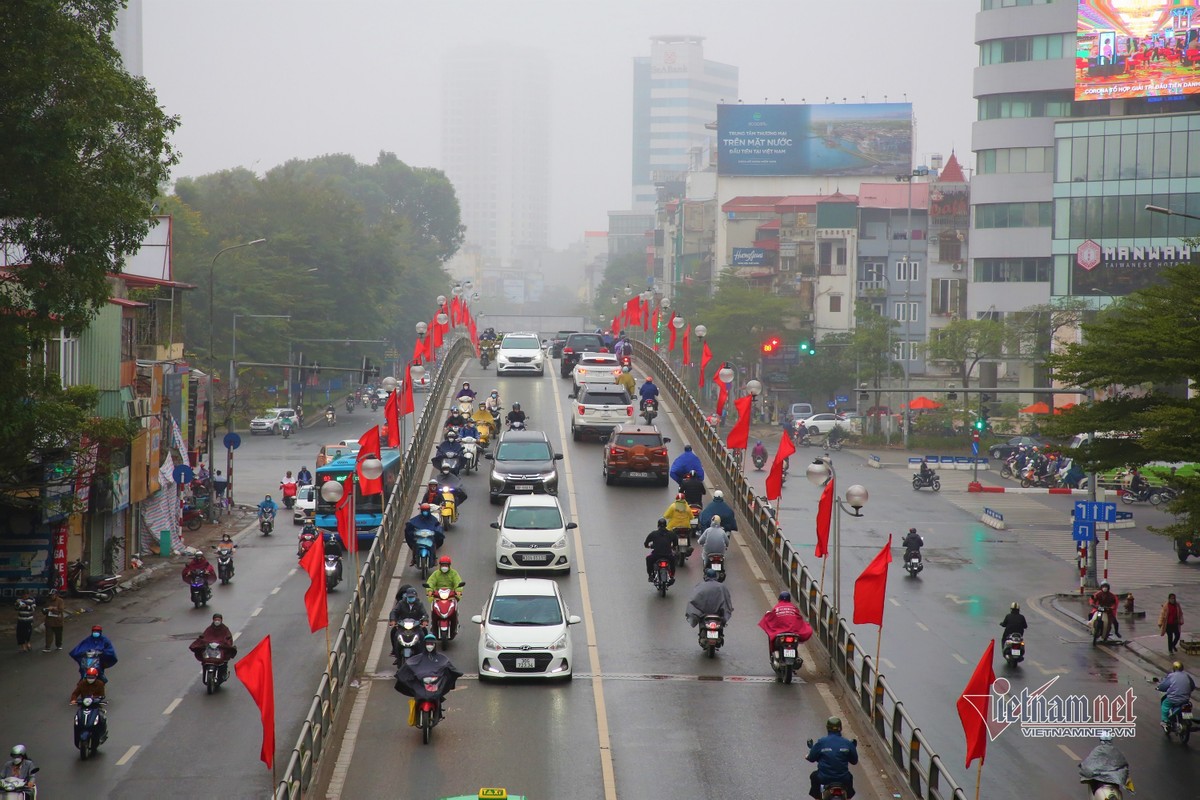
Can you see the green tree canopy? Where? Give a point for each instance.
(965, 342)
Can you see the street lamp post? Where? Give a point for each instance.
(908, 348)
(701, 331)
(819, 473)
(678, 324)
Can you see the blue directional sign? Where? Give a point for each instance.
(1095, 512)
(232, 441)
(841, 398)
(974, 448)
(1083, 531)
(183, 474)
(832, 404)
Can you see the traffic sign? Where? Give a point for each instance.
(841, 398)
(975, 448)
(832, 404)
(232, 441)
(1095, 512)
(1083, 531)
(183, 474)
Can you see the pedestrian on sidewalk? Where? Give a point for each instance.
(1170, 622)
(56, 613)
(25, 612)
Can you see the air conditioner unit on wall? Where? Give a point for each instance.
(143, 407)
(956, 266)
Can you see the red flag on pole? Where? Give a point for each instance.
(774, 484)
(723, 389)
(418, 350)
(435, 331)
(633, 311)
(705, 357)
(824, 518)
(616, 326)
(870, 588)
(739, 434)
(313, 562)
(974, 705)
(370, 449)
(454, 310)
(254, 671)
(646, 315)
(671, 331)
(654, 325)
(391, 413)
(343, 512)
(406, 398)
(687, 346)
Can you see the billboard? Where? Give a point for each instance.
(791, 140)
(749, 256)
(1150, 48)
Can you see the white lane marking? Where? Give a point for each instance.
(174, 705)
(893, 601)
(276, 590)
(959, 658)
(123, 760)
(922, 626)
(607, 771)
(256, 612)
(237, 635)
(1070, 755)
(292, 572)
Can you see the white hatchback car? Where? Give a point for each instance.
(521, 352)
(824, 423)
(525, 631)
(533, 535)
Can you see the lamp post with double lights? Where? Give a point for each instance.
(819, 473)
(333, 491)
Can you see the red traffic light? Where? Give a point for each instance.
(770, 346)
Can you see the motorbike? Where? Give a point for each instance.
(406, 638)
(1014, 649)
(1105, 773)
(101, 588)
(198, 586)
(214, 669)
(760, 461)
(716, 562)
(1099, 624)
(516, 425)
(304, 543)
(470, 448)
(452, 463)
(91, 727)
(1154, 495)
(464, 404)
(1007, 469)
(626, 361)
(649, 409)
(330, 418)
(444, 611)
(266, 523)
(835, 790)
(374, 403)
(429, 707)
(1180, 722)
(662, 576)
(931, 480)
(1042, 480)
(224, 564)
(192, 518)
(785, 656)
(13, 788)
(333, 571)
(285, 428)
(448, 510)
(349, 407)
(289, 495)
(426, 552)
(712, 634)
(913, 563)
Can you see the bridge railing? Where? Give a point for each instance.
(911, 753)
(297, 777)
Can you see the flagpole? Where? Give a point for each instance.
(354, 524)
(824, 561)
(875, 692)
(978, 778)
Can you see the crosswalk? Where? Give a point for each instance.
(1036, 524)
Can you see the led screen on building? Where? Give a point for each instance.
(1148, 48)
(848, 139)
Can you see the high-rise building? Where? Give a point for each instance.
(675, 96)
(495, 150)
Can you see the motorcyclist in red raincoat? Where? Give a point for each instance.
(784, 618)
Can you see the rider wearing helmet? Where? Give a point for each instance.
(710, 598)
(661, 543)
(692, 487)
(446, 577)
(714, 540)
(833, 754)
(718, 507)
(1104, 765)
(912, 544)
(678, 516)
(466, 391)
(1177, 687)
(433, 493)
(686, 462)
(648, 390)
(199, 564)
(625, 380)
(89, 685)
(784, 617)
(19, 766)
(424, 520)
(516, 415)
(1014, 622)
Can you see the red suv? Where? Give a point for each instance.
(636, 452)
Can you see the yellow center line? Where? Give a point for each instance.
(606, 762)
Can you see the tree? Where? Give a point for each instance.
(1143, 353)
(625, 270)
(83, 152)
(964, 343)
(820, 377)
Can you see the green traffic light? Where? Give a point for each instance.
(979, 424)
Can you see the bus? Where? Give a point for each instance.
(368, 511)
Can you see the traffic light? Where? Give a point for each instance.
(808, 348)
(770, 346)
(980, 423)
(316, 368)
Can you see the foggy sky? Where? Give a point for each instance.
(257, 82)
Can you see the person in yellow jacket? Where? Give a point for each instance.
(625, 379)
(678, 514)
(483, 423)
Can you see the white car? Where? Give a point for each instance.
(270, 420)
(525, 631)
(595, 368)
(521, 352)
(422, 383)
(533, 535)
(824, 423)
(306, 504)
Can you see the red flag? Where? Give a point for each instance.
(313, 562)
(705, 357)
(723, 388)
(391, 413)
(687, 346)
(671, 331)
(654, 325)
(344, 513)
(775, 476)
(633, 311)
(254, 671)
(824, 518)
(418, 350)
(974, 704)
(455, 310)
(435, 331)
(871, 586)
(370, 449)
(616, 326)
(646, 315)
(406, 399)
(739, 434)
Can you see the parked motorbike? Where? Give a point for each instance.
(406, 639)
(200, 592)
(426, 552)
(330, 419)
(101, 588)
(13, 788)
(649, 409)
(1014, 649)
(444, 611)
(662, 575)
(470, 446)
(931, 481)
(785, 656)
(712, 634)
(192, 518)
(224, 563)
(913, 563)
(266, 523)
(716, 562)
(214, 667)
(91, 726)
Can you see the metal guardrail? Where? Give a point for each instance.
(923, 769)
(298, 775)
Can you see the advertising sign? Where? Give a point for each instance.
(849, 139)
(749, 256)
(1119, 270)
(1149, 48)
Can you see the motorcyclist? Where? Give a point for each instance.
(626, 381)
(467, 429)
(926, 472)
(718, 507)
(784, 617)
(606, 339)
(217, 632)
(1014, 622)
(288, 486)
(678, 515)
(432, 494)
(331, 412)
(833, 754)
(913, 542)
(455, 482)
(714, 540)
(466, 391)
(1177, 687)
(759, 451)
(686, 462)
(446, 577)
(304, 477)
(710, 598)
(623, 347)
(100, 643)
(427, 663)
(1106, 601)
(285, 424)
(408, 606)
(516, 415)
(267, 508)
(201, 565)
(89, 685)
(450, 448)
(424, 520)
(1137, 482)
(333, 544)
(19, 766)
(488, 334)
(1105, 764)
(693, 489)
(308, 537)
(661, 543)
(482, 417)
(648, 390)
(493, 402)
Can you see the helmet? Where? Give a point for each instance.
(834, 724)
(451, 435)
(411, 593)
(218, 617)
(785, 596)
(466, 384)
(425, 507)
(495, 393)
(1104, 585)
(710, 574)
(516, 406)
(716, 519)
(718, 495)
(1177, 666)
(429, 637)
(662, 522)
(625, 368)
(912, 530)
(1105, 736)
(444, 560)
(92, 673)
(483, 406)
(18, 751)
(1015, 606)
(687, 448)
(680, 496)
(97, 629)
(197, 556)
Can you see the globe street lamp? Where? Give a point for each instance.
(754, 388)
(678, 322)
(665, 304)
(441, 300)
(820, 473)
(726, 374)
(421, 328)
(457, 291)
(442, 319)
(701, 331)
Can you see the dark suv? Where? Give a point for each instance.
(636, 452)
(523, 463)
(576, 345)
(556, 344)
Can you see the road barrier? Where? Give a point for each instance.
(923, 769)
(993, 519)
(301, 766)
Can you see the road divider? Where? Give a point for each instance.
(950, 462)
(993, 519)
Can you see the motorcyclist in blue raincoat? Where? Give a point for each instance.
(686, 462)
(97, 641)
(424, 520)
(720, 508)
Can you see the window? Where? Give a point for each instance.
(947, 296)
(1124, 216)
(1013, 215)
(127, 339)
(1029, 104)
(906, 312)
(874, 271)
(61, 356)
(906, 351)
(1012, 270)
(835, 304)
(908, 270)
(949, 247)
(1008, 160)
(1023, 48)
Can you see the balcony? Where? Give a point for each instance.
(831, 270)
(872, 289)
